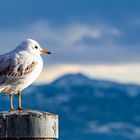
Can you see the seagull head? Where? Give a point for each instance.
(32, 46)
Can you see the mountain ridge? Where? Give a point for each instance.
(83, 76)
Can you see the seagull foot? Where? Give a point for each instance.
(19, 109)
(12, 109)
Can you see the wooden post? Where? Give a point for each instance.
(28, 124)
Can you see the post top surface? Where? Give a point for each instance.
(26, 112)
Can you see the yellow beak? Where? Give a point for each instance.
(45, 52)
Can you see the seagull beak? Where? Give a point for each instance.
(45, 52)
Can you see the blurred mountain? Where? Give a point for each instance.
(87, 108)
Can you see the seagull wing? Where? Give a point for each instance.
(13, 67)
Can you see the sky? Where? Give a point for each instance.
(99, 38)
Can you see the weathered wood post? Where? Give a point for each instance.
(28, 124)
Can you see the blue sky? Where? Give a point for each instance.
(97, 37)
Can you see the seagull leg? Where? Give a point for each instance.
(11, 103)
(19, 101)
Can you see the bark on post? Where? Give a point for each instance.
(28, 124)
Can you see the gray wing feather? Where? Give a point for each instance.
(12, 68)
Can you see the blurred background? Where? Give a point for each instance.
(92, 78)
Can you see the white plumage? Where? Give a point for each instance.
(20, 68)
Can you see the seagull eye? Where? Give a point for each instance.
(36, 47)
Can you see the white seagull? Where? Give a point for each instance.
(20, 68)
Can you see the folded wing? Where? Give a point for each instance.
(13, 68)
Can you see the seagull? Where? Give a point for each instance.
(20, 68)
